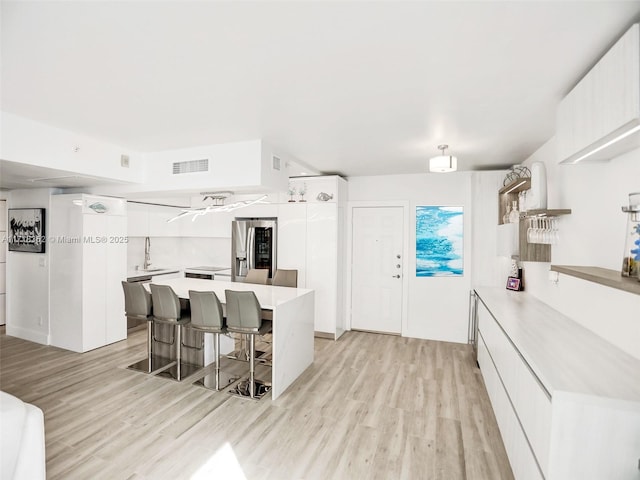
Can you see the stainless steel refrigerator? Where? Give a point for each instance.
(253, 245)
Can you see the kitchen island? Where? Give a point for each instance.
(293, 323)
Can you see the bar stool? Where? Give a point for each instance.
(166, 309)
(138, 305)
(285, 278)
(257, 275)
(207, 317)
(244, 315)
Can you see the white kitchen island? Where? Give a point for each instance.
(293, 323)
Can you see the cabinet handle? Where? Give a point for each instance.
(395, 276)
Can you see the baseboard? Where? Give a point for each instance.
(330, 336)
(26, 334)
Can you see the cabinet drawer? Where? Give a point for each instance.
(530, 401)
(521, 458)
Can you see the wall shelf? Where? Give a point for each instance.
(517, 186)
(602, 276)
(548, 212)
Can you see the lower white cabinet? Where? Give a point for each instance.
(576, 426)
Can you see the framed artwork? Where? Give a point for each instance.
(439, 241)
(26, 230)
(513, 283)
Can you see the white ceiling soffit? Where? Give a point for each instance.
(15, 175)
(359, 88)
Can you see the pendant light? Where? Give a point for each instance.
(443, 163)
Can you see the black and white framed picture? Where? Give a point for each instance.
(26, 230)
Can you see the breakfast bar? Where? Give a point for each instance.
(293, 323)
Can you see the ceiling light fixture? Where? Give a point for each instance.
(443, 163)
(198, 212)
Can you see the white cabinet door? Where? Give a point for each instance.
(322, 264)
(292, 239)
(602, 103)
(221, 224)
(94, 286)
(137, 219)
(258, 211)
(115, 271)
(158, 225)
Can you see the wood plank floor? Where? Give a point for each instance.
(370, 407)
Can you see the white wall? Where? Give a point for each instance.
(437, 308)
(593, 235)
(28, 277)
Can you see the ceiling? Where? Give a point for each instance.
(356, 88)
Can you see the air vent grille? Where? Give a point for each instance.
(191, 166)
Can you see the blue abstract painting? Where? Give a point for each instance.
(439, 242)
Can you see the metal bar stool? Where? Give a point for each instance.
(207, 317)
(285, 278)
(138, 305)
(166, 309)
(244, 315)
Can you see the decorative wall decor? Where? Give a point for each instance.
(439, 241)
(26, 230)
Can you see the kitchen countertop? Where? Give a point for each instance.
(563, 354)
(209, 270)
(160, 271)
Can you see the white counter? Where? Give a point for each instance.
(293, 323)
(566, 401)
(564, 355)
(133, 274)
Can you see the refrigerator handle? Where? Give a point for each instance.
(251, 248)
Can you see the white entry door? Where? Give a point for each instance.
(377, 266)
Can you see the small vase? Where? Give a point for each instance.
(514, 216)
(505, 217)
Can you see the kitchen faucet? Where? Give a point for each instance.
(147, 254)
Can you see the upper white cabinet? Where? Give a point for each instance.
(603, 106)
(148, 220)
(158, 221)
(137, 219)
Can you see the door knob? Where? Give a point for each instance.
(395, 276)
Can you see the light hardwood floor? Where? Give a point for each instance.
(370, 407)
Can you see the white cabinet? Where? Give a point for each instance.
(3, 260)
(88, 264)
(603, 105)
(148, 220)
(322, 263)
(527, 400)
(520, 455)
(158, 224)
(137, 219)
(564, 399)
(292, 239)
(311, 238)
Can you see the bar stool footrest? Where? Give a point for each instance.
(242, 389)
(209, 381)
(158, 364)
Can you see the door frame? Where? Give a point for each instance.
(405, 256)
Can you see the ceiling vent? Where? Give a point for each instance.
(191, 166)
